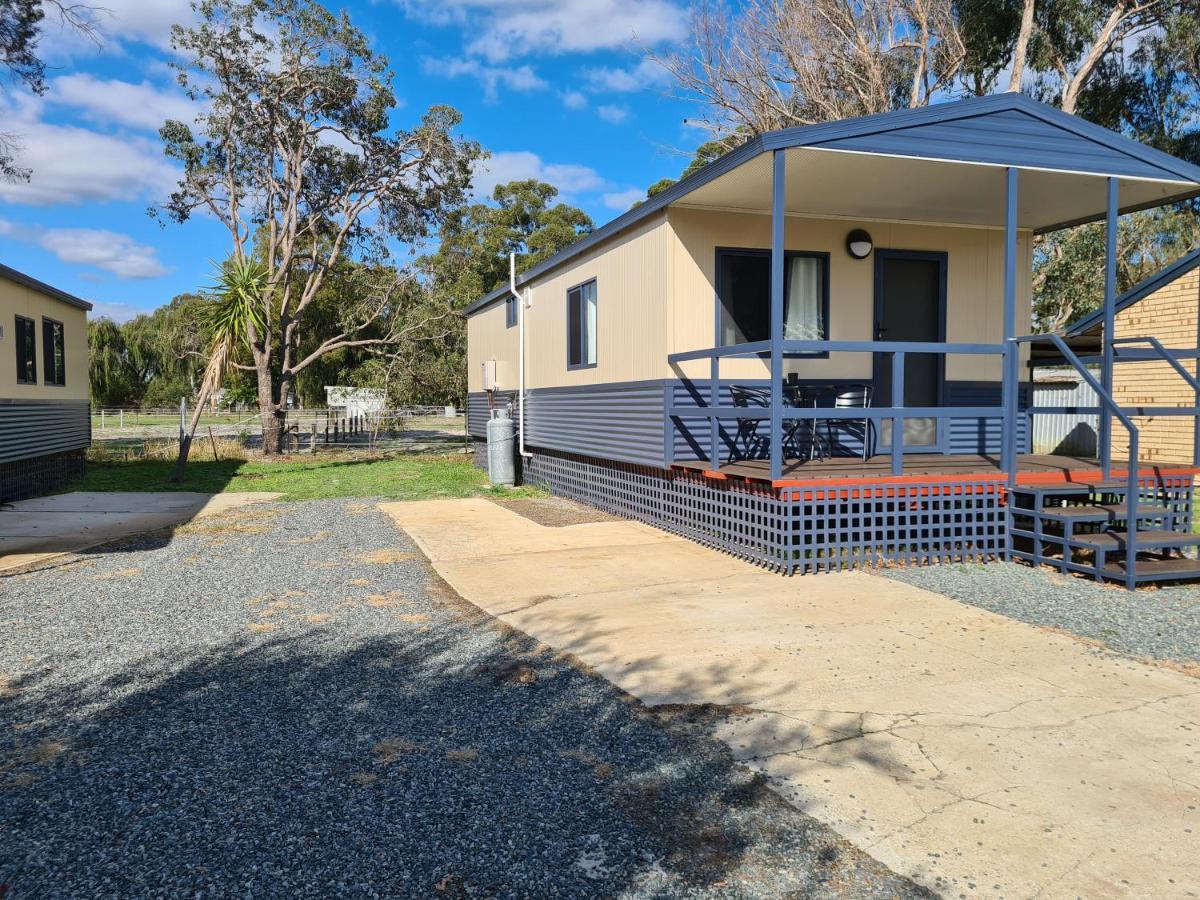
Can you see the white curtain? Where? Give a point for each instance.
(803, 304)
(589, 318)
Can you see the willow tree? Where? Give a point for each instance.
(296, 156)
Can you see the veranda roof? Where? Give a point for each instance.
(938, 164)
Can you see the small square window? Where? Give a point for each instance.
(581, 326)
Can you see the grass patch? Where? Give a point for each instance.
(398, 476)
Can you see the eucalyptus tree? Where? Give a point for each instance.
(297, 157)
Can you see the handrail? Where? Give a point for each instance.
(1172, 359)
(1131, 476)
(755, 348)
(896, 412)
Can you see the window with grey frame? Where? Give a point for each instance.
(26, 343)
(581, 325)
(744, 294)
(510, 311)
(54, 352)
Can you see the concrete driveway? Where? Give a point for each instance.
(32, 531)
(977, 755)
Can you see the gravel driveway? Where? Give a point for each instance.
(1155, 623)
(285, 701)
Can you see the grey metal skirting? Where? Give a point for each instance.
(621, 421)
(794, 530)
(33, 428)
(624, 421)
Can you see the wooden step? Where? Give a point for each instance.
(1115, 540)
(1156, 569)
(1088, 513)
(1078, 487)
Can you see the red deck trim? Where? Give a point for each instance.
(1067, 476)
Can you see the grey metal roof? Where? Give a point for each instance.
(1161, 278)
(42, 288)
(1002, 129)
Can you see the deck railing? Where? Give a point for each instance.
(777, 413)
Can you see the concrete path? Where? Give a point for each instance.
(978, 755)
(32, 531)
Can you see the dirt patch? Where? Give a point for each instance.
(384, 557)
(555, 512)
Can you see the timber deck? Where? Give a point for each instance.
(926, 467)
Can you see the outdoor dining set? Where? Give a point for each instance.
(805, 439)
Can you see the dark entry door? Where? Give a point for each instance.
(910, 301)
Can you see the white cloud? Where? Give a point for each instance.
(118, 312)
(111, 101)
(506, 166)
(603, 79)
(111, 251)
(622, 200)
(107, 250)
(118, 22)
(73, 165)
(511, 28)
(517, 78)
(612, 113)
(574, 100)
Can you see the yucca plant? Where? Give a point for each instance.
(235, 301)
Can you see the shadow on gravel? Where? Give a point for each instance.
(307, 765)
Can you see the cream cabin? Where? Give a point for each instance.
(45, 415)
(814, 351)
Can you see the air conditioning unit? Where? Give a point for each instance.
(490, 382)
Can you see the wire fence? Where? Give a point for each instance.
(107, 417)
(154, 433)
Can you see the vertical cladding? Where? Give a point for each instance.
(795, 530)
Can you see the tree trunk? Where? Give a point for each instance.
(1022, 47)
(272, 406)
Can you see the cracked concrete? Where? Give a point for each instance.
(978, 755)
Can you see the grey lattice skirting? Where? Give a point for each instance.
(26, 478)
(792, 529)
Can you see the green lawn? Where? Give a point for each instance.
(415, 477)
(112, 420)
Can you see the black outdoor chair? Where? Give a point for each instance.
(852, 396)
(748, 442)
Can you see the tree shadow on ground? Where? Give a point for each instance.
(311, 764)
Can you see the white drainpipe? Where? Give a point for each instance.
(512, 286)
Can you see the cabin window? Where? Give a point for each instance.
(510, 311)
(54, 352)
(744, 289)
(581, 326)
(26, 340)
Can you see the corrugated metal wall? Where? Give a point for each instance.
(625, 421)
(1067, 433)
(30, 428)
(621, 422)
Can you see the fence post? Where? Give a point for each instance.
(121, 424)
(897, 421)
(312, 444)
(101, 420)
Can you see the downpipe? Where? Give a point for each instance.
(512, 286)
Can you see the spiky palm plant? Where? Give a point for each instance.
(235, 303)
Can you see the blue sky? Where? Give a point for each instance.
(555, 89)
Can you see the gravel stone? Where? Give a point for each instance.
(286, 701)
(1154, 623)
